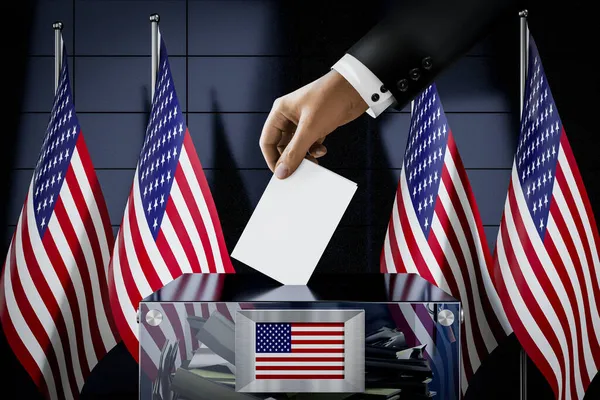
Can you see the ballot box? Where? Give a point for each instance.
(341, 336)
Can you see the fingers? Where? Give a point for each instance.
(285, 140)
(285, 143)
(317, 150)
(271, 134)
(294, 152)
(269, 139)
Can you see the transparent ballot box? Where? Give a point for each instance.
(351, 336)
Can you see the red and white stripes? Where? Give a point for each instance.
(454, 257)
(55, 310)
(189, 240)
(550, 287)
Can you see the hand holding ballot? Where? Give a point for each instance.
(291, 225)
(300, 121)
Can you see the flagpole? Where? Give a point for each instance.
(524, 54)
(58, 52)
(524, 59)
(154, 19)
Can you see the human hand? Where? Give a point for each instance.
(299, 121)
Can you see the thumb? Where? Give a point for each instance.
(294, 152)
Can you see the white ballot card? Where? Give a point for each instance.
(293, 223)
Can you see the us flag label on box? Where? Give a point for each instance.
(299, 351)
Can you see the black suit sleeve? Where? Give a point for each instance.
(419, 38)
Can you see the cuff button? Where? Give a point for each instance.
(383, 89)
(375, 97)
(427, 63)
(402, 85)
(414, 74)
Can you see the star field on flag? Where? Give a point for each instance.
(537, 150)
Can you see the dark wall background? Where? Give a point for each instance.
(230, 60)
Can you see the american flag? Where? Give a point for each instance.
(546, 265)
(170, 224)
(53, 293)
(435, 231)
(300, 350)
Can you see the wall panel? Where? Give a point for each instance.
(46, 13)
(123, 27)
(121, 84)
(240, 84)
(39, 84)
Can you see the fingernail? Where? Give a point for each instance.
(281, 171)
(319, 152)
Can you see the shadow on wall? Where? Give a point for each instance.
(16, 68)
(235, 187)
(17, 49)
(228, 189)
(380, 203)
(504, 44)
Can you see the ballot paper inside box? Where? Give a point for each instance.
(365, 336)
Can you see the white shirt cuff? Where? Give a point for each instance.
(366, 84)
